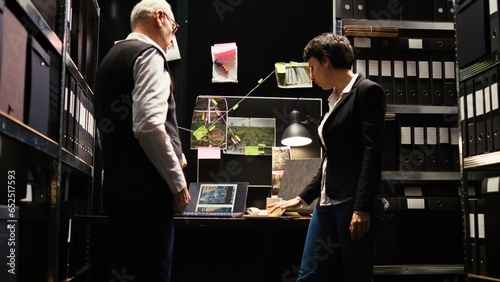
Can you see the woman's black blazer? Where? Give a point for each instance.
(354, 139)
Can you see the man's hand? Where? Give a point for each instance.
(184, 161)
(181, 200)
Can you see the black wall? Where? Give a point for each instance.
(264, 31)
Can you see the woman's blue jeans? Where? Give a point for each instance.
(329, 233)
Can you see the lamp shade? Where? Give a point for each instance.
(295, 134)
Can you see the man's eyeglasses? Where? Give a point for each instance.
(175, 26)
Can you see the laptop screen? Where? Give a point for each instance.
(216, 197)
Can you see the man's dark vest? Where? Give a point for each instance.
(114, 85)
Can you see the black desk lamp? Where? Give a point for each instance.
(295, 134)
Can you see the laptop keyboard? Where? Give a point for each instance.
(212, 214)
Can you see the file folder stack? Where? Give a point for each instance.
(412, 71)
(429, 10)
(480, 115)
(78, 122)
(429, 213)
(483, 226)
(370, 31)
(477, 247)
(427, 143)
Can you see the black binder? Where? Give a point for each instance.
(411, 78)
(481, 237)
(344, 9)
(384, 44)
(473, 259)
(361, 64)
(450, 11)
(488, 117)
(494, 26)
(83, 126)
(479, 118)
(391, 145)
(417, 10)
(373, 68)
(462, 106)
(455, 153)
(437, 82)
(383, 10)
(470, 118)
(412, 43)
(495, 109)
(64, 125)
(424, 78)
(419, 152)
(438, 44)
(492, 234)
(398, 65)
(77, 125)
(450, 85)
(431, 145)
(444, 146)
(71, 117)
(405, 143)
(359, 9)
(440, 13)
(37, 97)
(472, 36)
(386, 75)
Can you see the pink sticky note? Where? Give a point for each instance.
(211, 153)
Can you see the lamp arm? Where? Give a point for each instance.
(310, 119)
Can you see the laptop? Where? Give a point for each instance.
(296, 175)
(216, 199)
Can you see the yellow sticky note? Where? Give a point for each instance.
(213, 101)
(235, 106)
(238, 138)
(280, 67)
(200, 132)
(211, 128)
(260, 81)
(252, 151)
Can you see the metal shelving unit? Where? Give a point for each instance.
(415, 177)
(417, 109)
(54, 225)
(478, 167)
(482, 160)
(416, 25)
(400, 176)
(41, 25)
(24, 134)
(418, 269)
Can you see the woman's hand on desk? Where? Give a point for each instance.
(283, 205)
